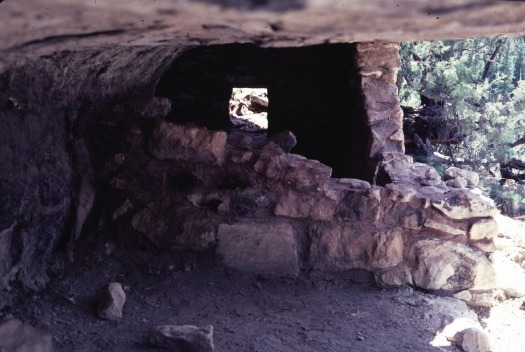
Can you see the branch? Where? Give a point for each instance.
(447, 160)
(488, 64)
(514, 164)
(518, 142)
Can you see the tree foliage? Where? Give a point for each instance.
(480, 85)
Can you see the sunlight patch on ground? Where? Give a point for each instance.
(506, 327)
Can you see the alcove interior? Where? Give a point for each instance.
(314, 92)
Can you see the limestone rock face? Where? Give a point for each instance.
(479, 298)
(175, 142)
(149, 107)
(295, 204)
(346, 248)
(484, 229)
(266, 248)
(183, 338)
(450, 266)
(17, 337)
(36, 184)
(306, 22)
(395, 168)
(300, 173)
(170, 226)
(461, 205)
(379, 64)
(47, 178)
(474, 340)
(471, 177)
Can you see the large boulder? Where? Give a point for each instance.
(450, 266)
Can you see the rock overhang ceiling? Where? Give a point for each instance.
(39, 26)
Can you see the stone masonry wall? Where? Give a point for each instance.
(378, 66)
(263, 210)
(119, 160)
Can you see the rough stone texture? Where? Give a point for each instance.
(302, 174)
(474, 340)
(479, 298)
(457, 182)
(183, 338)
(346, 248)
(173, 226)
(112, 302)
(296, 205)
(152, 108)
(378, 64)
(454, 323)
(461, 205)
(484, 229)
(175, 142)
(46, 196)
(17, 337)
(275, 23)
(266, 248)
(353, 183)
(444, 227)
(286, 140)
(394, 168)
(450, 266)
(471, 177)
(396, 276)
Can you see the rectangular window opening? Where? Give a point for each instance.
(249, 109)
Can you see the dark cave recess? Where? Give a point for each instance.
(313, 92)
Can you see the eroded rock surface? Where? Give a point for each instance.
(267, 248)
(15, 336)
(112, 302)
(183, 338)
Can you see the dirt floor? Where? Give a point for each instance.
(248, 313)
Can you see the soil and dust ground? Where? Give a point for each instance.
(248, 312)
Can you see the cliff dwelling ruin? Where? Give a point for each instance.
(123, 174)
